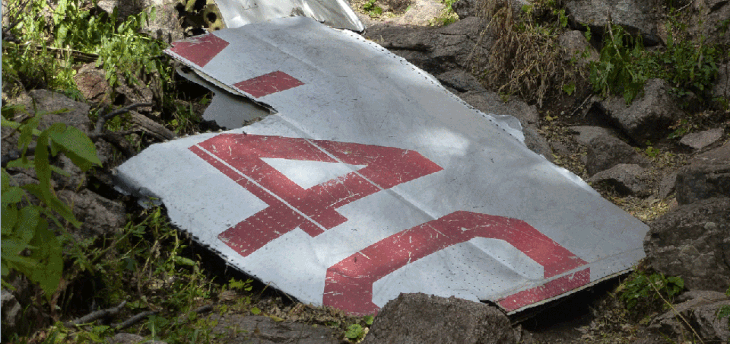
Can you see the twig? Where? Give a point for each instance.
(104, 118)
(102, 313)
(675, 312)
(581, 105)
(133, 320)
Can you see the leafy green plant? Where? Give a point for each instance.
(354, 332)
(623, 66)
(641, 290)
(372, 8)
(29, 246)
(724, 311)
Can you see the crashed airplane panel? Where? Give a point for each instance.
(335, 13)
(373, 180)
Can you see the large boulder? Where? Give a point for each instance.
(437, 49)
(648, 117)
(574, 44)
(606, 151)
(422, 319)
(699, 309)
(635, 16)
(707, 175)
(693, 242)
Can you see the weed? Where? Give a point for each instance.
(643, 291)
(525, 58)
(625, 65)
(29, 246)
(724, 311)
(372, 8)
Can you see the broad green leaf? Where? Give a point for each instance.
(9, 219)
(12, 195)
(5, 180)
(77, 146)
(48, 253)
(27, 131)
(20, 163)
(28, 222)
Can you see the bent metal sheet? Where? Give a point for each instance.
(372, 180)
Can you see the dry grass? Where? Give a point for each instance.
(525, 58)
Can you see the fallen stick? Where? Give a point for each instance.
(102, 313)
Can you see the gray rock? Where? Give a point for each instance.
(700, 313)
(713, 14)
(634, 15)
(125, 338)
(421, 13)
(721, 87)
(97, 214)
(667, 185)
(693, 242)
(707, 175)
(587, 133)
(437, 49)
(464, 8)
(76, 179)
(491, 103)
(397, 5)
(574, 44)
(12, 312)
(461, 81)
(243, 329)
(702, 139)
(626, 179)
(44, 102)
(648, 117)
(605, 151)
(420, 319)
(166, 26)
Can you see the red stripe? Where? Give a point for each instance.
(199, 49)
(268, 83)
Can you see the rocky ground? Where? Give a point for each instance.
(665, 158)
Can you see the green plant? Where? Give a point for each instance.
(372, 8)
(641, 290)
(650, 150)
(622, 68)
(29, 246)
(724, 311)
(354, 332)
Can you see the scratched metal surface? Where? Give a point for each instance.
(371, 180)
(335, 13)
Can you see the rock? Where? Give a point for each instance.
(91, 81)
(437, 49)
(700, 312)
(12, 313)
(397, 5)
(461, 81)
(707, 175)
(124, 8)
(464, 8)
(634, 15)
(693, 242)
(491, 103)
(420, 318)
(76, 179)
(713, 14)
(702, 139)
(586, 133)
(261, 329)
(605, 151)
(667, 185)
(44, 101)
(626, 179)
(647, 117)
(125, 338)
(574, 44)
(97, 214)
(421, 13)
(721, 87)
(166, 26)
